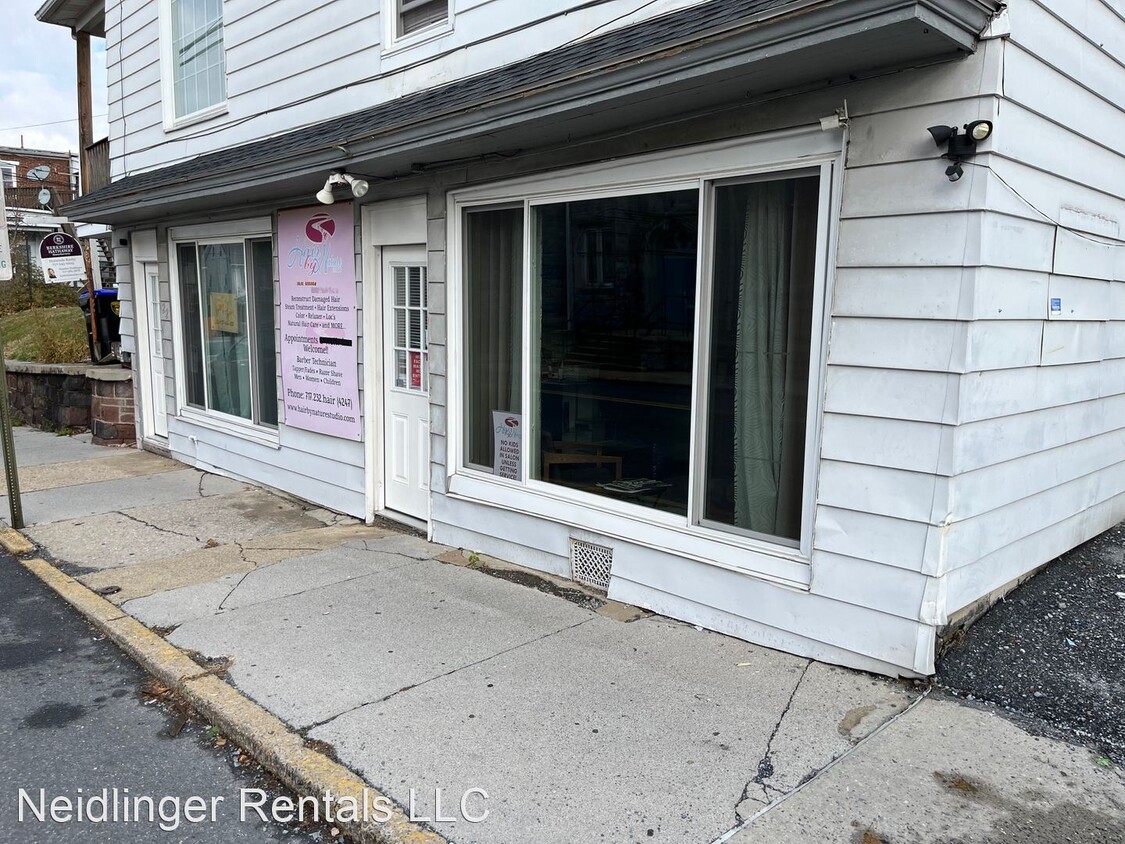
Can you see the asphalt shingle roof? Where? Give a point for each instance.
(564, 62)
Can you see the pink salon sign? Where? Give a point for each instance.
(319, 364)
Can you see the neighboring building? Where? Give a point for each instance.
(27, 173)
(679, 297)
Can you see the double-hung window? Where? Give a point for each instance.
(226, 299)
(8, 173)
(195, 59)
(661, 344)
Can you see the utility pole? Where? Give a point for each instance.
(7, 443)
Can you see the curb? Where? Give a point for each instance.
(15, 543)
(275, 746)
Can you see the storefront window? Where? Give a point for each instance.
(230, 363)
(615, 280)
(624, 403)
(761, 335)
(493, 335)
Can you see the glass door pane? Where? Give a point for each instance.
(223, 289)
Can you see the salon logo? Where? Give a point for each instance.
(319, 228)
(512, 422)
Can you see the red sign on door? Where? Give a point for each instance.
(416, 370)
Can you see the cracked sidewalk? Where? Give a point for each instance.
(424, 672)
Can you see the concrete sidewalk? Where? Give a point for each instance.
(424, 667)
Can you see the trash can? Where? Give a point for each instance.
(106, 312)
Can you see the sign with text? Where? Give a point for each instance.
(5, 247)
(508, 445)
(61, 256)
(319, 364)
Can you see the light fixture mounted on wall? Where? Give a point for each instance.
(960, 146)
(338, 177)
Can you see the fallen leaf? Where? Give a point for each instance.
(744, 665)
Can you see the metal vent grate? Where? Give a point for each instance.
(590, 564)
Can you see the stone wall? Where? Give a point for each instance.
(50, 396)
(76, 397)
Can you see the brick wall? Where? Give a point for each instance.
(113, 418)
(60, 165)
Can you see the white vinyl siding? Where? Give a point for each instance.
(291, 64)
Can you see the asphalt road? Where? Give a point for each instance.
(1054, 649)
(72, 717)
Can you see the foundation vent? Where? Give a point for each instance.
(590, 564)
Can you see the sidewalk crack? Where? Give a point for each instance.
(765, 764)
(157, 527)
(310, 727)
(245, 574)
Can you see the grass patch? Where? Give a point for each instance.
(46, 335)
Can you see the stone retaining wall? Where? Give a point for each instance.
(48, 395)
(74, 396)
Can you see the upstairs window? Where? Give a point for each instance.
(415, 15)
(8, 173)
(198, 78)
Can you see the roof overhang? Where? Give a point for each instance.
(76, 15)
(792, 46)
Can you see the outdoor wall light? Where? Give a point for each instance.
(960, 146)
(338, 177)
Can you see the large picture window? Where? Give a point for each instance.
(227, 312)
(197, 60)
(668, 347)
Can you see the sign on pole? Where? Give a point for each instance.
(62, 259)
(5, 246)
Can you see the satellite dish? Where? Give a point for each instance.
(40, 173)
(44, 197)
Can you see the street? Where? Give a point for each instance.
(72, 722)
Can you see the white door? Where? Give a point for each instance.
(155, 314)
(406, 403)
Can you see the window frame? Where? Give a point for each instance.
(242, 232)
(168, 76)
(15, 165)
(776, 155)
(393, 42)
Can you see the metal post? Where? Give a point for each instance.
(8, 447)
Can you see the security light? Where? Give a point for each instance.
(958, 146)
(339, 177)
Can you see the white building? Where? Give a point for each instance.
(763, 363)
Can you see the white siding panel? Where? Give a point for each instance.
(992, 441)
(1072, 342)
(985, 395)
(936, 346)
(1080, 298)
(970, 540)
(894, 443)
(866, 536)
(951, 240)
(915, 496)
(995, 486)
(1114, 333)
(966, 584)
(1084, 257)
(1089, 59)
(888, 589)
(892, 394)
(991, 293)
